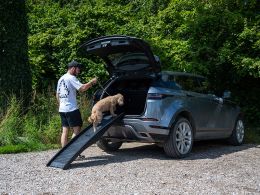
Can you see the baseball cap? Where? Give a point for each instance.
(74, 63)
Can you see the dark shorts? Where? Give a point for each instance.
(71, 119)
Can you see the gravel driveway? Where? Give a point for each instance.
(212, 168)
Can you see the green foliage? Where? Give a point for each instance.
(52, 130)
(15, 71)
(25, 147)
(37, 129)
(8, 149)
(216, 38)
(10, 125)
(42, 121)
(252, 135)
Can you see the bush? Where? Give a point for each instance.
(15, 70)
(52, 130)
(10, 125)
(252, 135)
(37, 129)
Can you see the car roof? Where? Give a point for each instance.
(173, 73)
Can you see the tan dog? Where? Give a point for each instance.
(107, 104)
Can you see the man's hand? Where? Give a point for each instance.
(86, 86)
(93, 81)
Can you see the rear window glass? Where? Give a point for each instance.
(190, 83)
(165, 84)
(128, 58)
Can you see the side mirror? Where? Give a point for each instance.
(227, 94)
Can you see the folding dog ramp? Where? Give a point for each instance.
(84, 139)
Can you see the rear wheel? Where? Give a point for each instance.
(180, 141)
(238, 133)
(109, 146)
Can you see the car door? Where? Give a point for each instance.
(205, 108)
(227, 117)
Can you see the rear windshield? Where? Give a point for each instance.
(129, 61)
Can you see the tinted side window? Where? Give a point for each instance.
(204, 86)
(190, 83)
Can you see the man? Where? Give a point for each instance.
(67, 88)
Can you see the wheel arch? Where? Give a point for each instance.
(239, 115)
(185, 114)
(237, 136)
(172, 146)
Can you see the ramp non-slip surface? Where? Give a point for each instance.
(84, 139)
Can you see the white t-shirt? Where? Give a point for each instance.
(67, 90)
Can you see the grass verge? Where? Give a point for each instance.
(252, 135)
(36, 130)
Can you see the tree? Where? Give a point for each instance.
(15, 72)
(216, 38)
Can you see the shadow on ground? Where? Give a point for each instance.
(201, 150)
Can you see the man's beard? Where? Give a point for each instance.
(74, 73)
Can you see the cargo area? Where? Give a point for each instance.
(134, 91)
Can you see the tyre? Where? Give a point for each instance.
(180, 141)
(238, 133)
(108, 146)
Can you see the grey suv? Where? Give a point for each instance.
(171, 109)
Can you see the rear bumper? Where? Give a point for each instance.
(137, 130)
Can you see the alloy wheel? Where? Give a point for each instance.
(240, 131)
(183, 137)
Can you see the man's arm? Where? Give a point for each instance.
(86, 86)
(58, 98)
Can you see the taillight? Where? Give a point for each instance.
(155, 96)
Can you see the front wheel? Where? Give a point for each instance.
(109, 146)
(238, 133)
(180, 141)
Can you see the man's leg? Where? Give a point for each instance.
(75, 122)
(76, 131)
(65, 129)
(64, 136)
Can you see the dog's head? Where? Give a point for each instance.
(120, 99)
